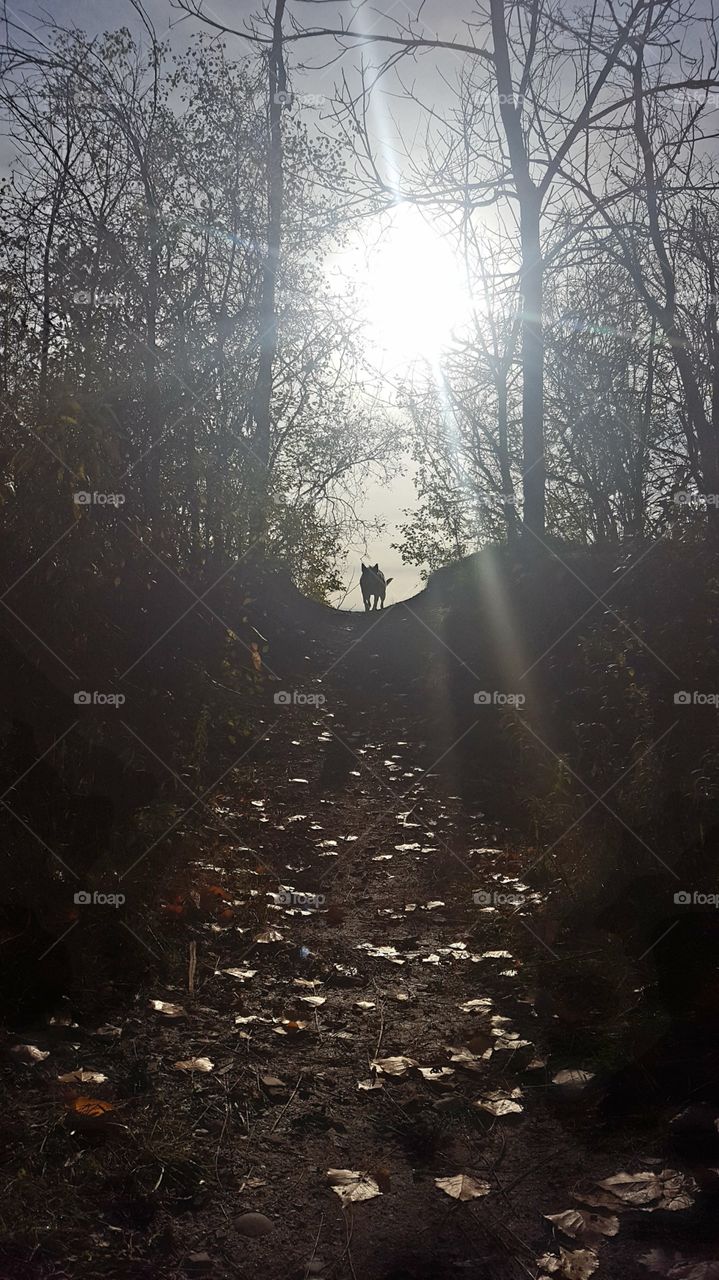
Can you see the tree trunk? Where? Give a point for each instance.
(532, 288)
(530, 277)
(262, 407)
(505, 470)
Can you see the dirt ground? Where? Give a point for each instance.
(359, 951)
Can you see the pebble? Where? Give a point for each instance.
(253, 1224)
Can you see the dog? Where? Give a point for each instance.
(373, 586)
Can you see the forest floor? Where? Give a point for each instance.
(352, 960)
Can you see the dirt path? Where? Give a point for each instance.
(363, 982)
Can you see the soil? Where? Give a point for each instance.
(364, 894)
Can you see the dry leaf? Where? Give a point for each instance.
(291, 1027)
(392, 1066)
(242, 974)
(315, 1001)
(470, 1061)
(89, 1114)
(269, 935)
(436, 1073)
(647, 1191)
(352, 1186)
(370, 1084)
(499, 1103)
(573, 1079)
(462, 1187)
(584, 1226)
(83, 1077)
(29, 1054)
(169, 1010)
(195, 1064)
(573, 1264)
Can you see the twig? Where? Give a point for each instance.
(349, 1228)
(314, 1247)
(282, 1112)
(381, 1032)
(192, 968)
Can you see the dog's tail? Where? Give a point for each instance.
(388, 580)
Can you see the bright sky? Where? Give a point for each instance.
(409, 280)
(413, 296)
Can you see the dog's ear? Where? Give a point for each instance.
(388, 581)
(364, 567)
(376, 568)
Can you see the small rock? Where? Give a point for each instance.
(253, 1224)
(199, 1261)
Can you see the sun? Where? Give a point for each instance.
(412, 285)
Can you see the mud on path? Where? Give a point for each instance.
(366, 991)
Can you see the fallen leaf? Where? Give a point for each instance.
(499, 1103)
(462, 1187)
(584, 1226)
(436, 1073)
(29, 1054)
(195, 1064)
(315, 1001)
(352, 1186)
(83, 1077)
(269, 935)
(370, 1084)
(90, 1114)
(647, 1191)
(573, 1079)
(392, 1066)
(252, 1184)
(169, 1010)
(574, 1264)
(242, 974)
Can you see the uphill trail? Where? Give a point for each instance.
(366, 997)
(390, 1020)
